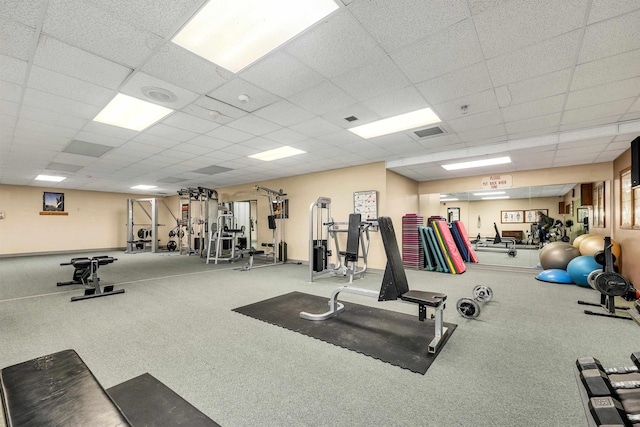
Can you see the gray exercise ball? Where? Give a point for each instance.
(558, 256)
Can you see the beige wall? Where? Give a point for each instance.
(95, 220)
(303, 190)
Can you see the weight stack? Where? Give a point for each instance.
(412, 251)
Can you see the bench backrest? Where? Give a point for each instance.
(353, 236)
(394, 282)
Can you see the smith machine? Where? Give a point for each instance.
(198, 212)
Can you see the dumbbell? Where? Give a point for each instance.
(585, 363)
(608, 411)
(596, 380)
(468, 307)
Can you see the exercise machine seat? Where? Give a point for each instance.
(431, 299)
(353, 238)
(56, 390)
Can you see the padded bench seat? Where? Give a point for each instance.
(431, 299)
(56, 390)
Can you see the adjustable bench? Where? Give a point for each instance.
(394, 286)
(86, 270)
(60, 390)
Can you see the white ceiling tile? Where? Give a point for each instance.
(597, 111)
(240, 150)
(431, 57)
(619, 145)
(140, 147)
(261, 144)
(527, 110)
(608, 156)
(71, 61)
(59, 84)
(10, 92)
(604, 93)
(282, 74)
(182, 68)
(397, 23)
(226, 133)
(17, 39)
(188, 122)
(632, 116)
(336, 45)
(227, 112)
(536, 88)
(140, 84)
(26, 12)
(372, 80)
(610, 37)
(284, 113)
(466, 81)
(521, 23)
(322, 98)
(12, 70)
(359, 110)
(474, 121)
(230, 91)
(480, 6)
(480, 134)
(589, 123)
(340, 138)
(158, 141)
(619, 67)
(539, 122)
(590, 145)
(476, 103)
(81, 24)
(397, 102)
(53, 118)
(254, 125)
(542, 58)
(285, 136)
(604, 9)
(170, 132)
(209, 142)
(45, 128)
(315, 127)
(51, 102)
(311, 146)
(161, 17)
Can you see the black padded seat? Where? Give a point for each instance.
(432, 299)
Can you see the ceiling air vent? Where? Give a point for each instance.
(423, 133)
(351, 118)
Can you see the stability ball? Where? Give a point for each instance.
(593, 244)
(551, 245)
(579, 239)
(555, 275)
(558, 257)
(580, 267)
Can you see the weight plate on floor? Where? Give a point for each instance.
(512, 253)
(172, 245)
(612, 284)
(482, 293)
(591, 278)
(468, 308)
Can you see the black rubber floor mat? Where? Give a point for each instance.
(395, 338)
(147, 402)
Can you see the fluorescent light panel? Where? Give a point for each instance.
(143, 187)
(414, 119)
(51, 178)
(131, 113)
(489, 193)
(477, 163)
(277, 153)
(494, 197)
(235, 34)
(452, 199)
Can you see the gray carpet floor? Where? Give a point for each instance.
(513, 366)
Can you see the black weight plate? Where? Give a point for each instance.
(611, 284)
(468, 308)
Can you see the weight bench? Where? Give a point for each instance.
(86, 270)
(60, 390)
(394, 286)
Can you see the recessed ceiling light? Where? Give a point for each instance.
(411, 120)
(278, 153)
(452, 199)
(51, 178)
(131, 113)
(143, 187)
(235, 34)
(477, 163)
(489, 193)
(495, 197)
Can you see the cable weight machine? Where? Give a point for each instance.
(276, 223)
(198, 213)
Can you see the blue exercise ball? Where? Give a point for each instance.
(555, 275)
(580, 267)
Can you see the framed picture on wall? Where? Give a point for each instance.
(53, 202)
(509, 217)
(532, 214)
(453, 214)
(582, 213)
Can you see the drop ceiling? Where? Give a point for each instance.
(550, 83)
